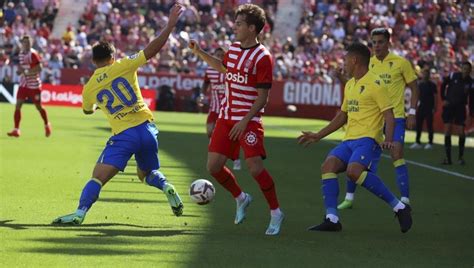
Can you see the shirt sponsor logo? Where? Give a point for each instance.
(237, 78)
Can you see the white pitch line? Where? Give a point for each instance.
(435, 168)
(457, 174)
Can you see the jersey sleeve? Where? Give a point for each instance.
(87, 100)
(35, 60)
(133, 62)
(344, 99)
(381, 97)
(264, 72)
(408, 72)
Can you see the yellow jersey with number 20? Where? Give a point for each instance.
(115, 90)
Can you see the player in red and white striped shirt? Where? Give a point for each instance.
(248, 71)
(214, 86)
(30, 85)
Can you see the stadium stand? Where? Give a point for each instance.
(433, 34)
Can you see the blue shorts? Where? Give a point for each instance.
(141, 141)
(365, 151)
(399, 131)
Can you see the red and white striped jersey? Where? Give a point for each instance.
(247, 70)
(217, 83)
(29, 60)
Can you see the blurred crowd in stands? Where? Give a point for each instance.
(431, 34)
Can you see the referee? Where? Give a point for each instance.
(456, 89)
(427, 102)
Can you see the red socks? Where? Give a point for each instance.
(17, 118)
(44, 115)
(227, 180)
(267, 186)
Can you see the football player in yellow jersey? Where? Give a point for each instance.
(114, 89)
(396, 73)
(365, 107)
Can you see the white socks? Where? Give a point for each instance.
(398, 206)
(240, 198)
(275, 212)
(333, 218)
(349, 196)
(405, 200)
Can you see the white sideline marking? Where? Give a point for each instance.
(406, 160)
(435, 168)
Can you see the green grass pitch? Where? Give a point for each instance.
(132, 225)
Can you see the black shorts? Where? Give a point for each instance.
(454, 114)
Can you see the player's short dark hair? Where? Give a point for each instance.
(102, 51)
(467, 63)
(381, 31)
(361, 51)
(254, 15)
(26, 37)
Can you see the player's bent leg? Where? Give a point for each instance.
(348, 201)
(101, 175)
(330, 189)
(158, 180)
(44, 116)
(267, 186)
(401, 171)
(16, 118)
(216, 167)
(374, 184)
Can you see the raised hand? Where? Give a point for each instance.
(194, 46)
(175, 12)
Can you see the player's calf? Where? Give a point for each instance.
(158, 180)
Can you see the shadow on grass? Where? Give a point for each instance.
(129, 192)
(21, 226)
(129, 200)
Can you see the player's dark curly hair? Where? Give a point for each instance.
(361, 51)
(381, 31)
(102, 51)
(254, 15)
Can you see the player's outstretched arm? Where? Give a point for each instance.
(389, 127)
(212, 61)
(155, 46)
(308, 137)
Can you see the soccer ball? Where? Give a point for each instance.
(202, 191)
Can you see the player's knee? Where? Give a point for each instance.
(213, 167)
(327, 166)
(354, 173)
(255, 166)
(255, 170)
(397, 152)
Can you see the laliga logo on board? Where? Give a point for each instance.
(68, 97)
(238, 78)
